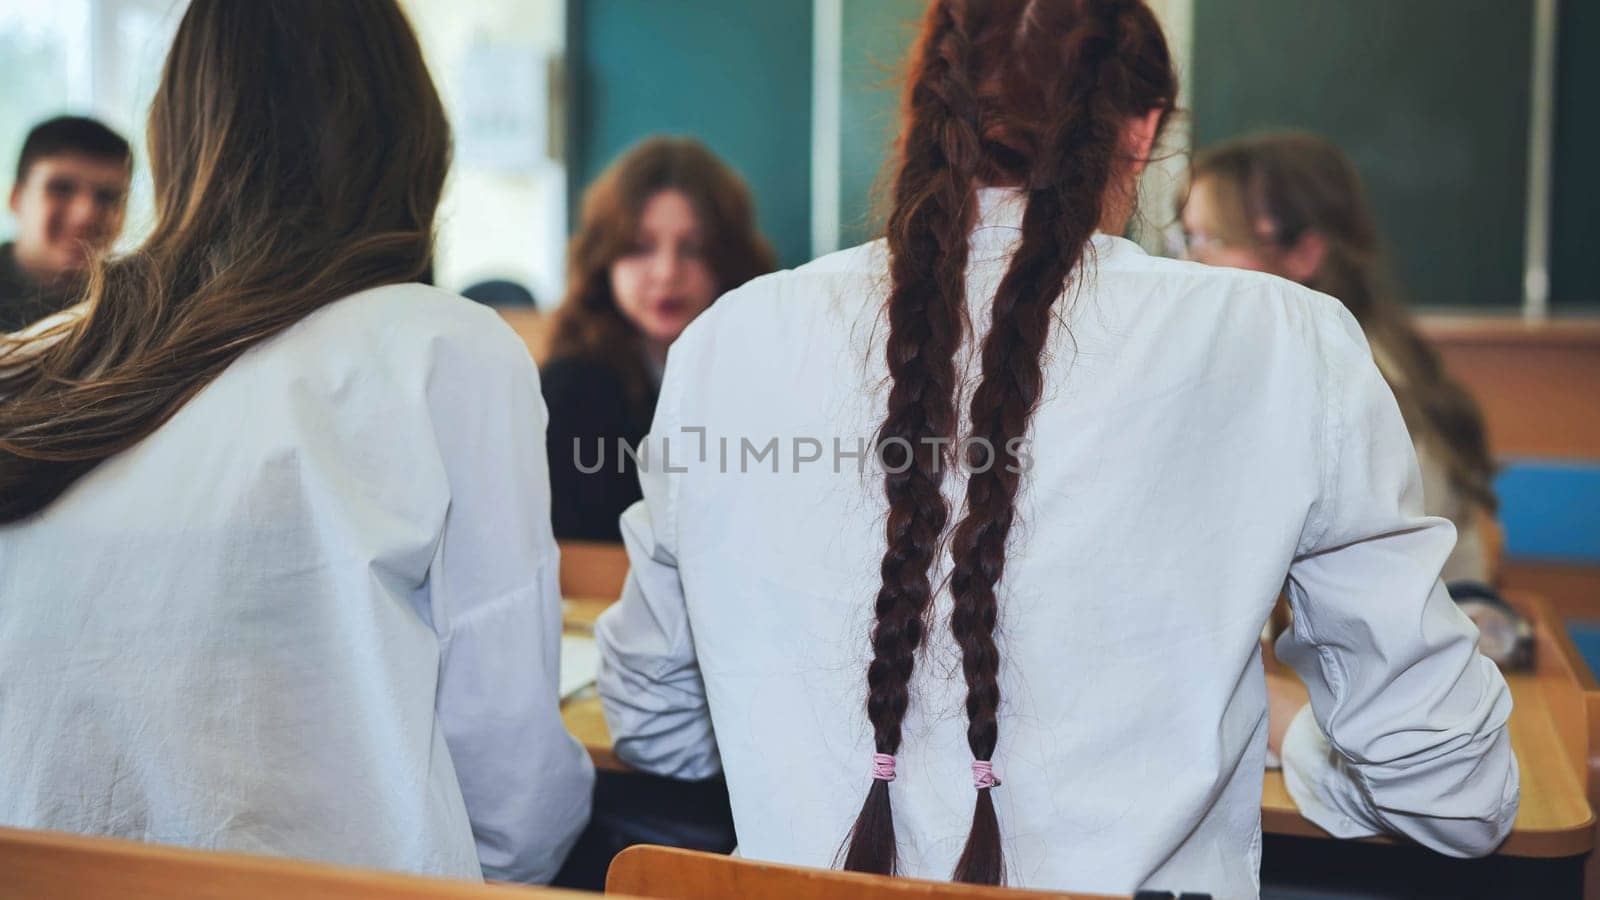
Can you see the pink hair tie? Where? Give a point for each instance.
(883, 766)
(983, 774)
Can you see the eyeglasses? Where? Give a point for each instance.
(1201, 242)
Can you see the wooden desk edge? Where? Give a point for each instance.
(58, 856)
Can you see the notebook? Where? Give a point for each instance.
(580, 663)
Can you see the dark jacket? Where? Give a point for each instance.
(22, 300)
(590, 411)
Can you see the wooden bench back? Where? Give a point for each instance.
(47, 864)
(666, 873)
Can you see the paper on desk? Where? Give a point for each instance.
(580, 663)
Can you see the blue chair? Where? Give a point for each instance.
(1551, 513)
(1551, 510)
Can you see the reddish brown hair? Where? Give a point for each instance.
(1035, 94)
(589, 323)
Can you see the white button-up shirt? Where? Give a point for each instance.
(1205, 436)
(314, 614)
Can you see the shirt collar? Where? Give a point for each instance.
(1000, 211)
(1000, 207)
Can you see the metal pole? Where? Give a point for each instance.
(1541, 154)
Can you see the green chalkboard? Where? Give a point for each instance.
(735, 74)
(1429, 97)
(875, 39)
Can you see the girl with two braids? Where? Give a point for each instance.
(1093, 473)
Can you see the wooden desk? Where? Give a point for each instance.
(1555, 712)
(593, 569)
(578, 614)
(587, 722)
(51, 864)
(583, 714)
(591, 579)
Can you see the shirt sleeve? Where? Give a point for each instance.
(650, 683)
(1406, 729)
(496, 601)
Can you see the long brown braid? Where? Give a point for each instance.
(928, 259)
(1035, 95)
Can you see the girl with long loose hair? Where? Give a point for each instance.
(1020, 641)
(275, 558)
(1293, 204)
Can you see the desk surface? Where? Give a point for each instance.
(578, 614)
(1554, 821)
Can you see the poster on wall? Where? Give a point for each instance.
(502, 111)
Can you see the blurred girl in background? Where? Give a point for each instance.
(1293, 205)
(665, 230)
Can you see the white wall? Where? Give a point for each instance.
(503, 214)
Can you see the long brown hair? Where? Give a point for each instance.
(1303, 184)
(1035, 94)
(298, 150)
(588, 323)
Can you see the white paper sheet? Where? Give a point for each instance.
(580, 663)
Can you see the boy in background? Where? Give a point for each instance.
(69, 197)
